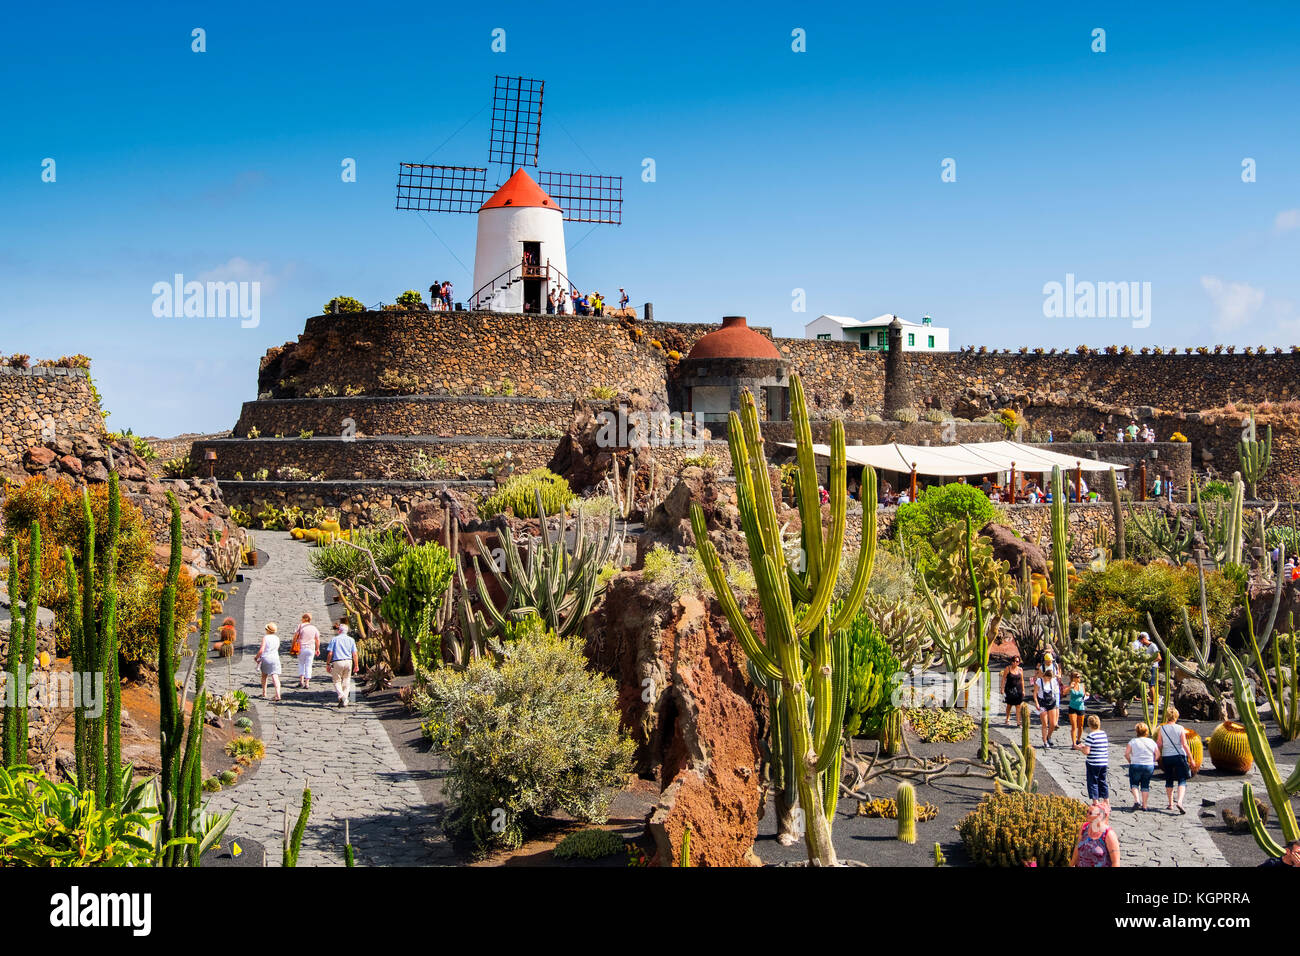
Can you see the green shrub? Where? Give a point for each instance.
(684, 572)
(211, 785)
(1083, 435)
(410, 298)
(932, 724)
(589, 844)
(345, 303)
(871, 678)
(936, 415)
(49, 824)
(178, 467)
(1120, 597)
(518, 495)
(525, 737)
(1216, 490)
(907, 416)
(917, 522)
(1012, 829)
(706, 461)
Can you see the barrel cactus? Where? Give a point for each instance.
(1230, 748)
(906, 801)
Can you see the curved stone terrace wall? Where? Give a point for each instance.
(41, 403)
(442, 416)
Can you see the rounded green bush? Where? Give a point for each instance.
(589, 845)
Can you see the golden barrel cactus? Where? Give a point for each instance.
(1230, 748)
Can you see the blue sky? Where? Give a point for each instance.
(775, 170)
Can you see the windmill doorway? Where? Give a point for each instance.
(534, 276)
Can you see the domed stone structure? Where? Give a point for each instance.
(709, 380)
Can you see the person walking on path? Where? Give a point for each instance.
(268, 659)
(341, 656)
(1047, 697)
(1148, 647)
(1175, 758)
(1013, 689)
(1141, 756)
(1097, 845)
(1096, 748)
(306, 644)
(1078, 707)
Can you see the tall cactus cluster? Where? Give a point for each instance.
(1255, 456)
(22, 646)
(802, 663)
(94, 648)
(1060, 557)
(181, 746)
(558, 582)
(1221, 523)
(1279, 790)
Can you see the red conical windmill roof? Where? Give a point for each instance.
(520, 190)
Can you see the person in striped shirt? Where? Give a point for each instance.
(1096, 747)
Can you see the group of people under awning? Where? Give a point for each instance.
(1006, 470)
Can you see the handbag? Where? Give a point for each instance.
(296, 647)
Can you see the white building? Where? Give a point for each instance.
(519, 256)
(873, 334)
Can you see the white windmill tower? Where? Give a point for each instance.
(519, 257)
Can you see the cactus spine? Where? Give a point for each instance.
(1112, 486)
(803, 662)
(22, 645)
(905, 800)
(1255, 456)
(1060, 558)
(1279, 791)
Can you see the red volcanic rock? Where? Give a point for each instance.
(38, 458)
(699, 731)
(1007, 547)
(70, 464)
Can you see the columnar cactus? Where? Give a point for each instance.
(1060, 557)
(22, 645)
(905, 800)
(1221, 523)
(1165, 532)
(1112, 486)
(803, 662)
(1279, 790)
(1255, 456)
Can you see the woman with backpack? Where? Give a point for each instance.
(1047, 698)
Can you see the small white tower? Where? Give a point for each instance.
(519, 257)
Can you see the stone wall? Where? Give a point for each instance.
(1187, 382)
(393, 458)
(1162, 458)
(462, 353)
(438, 415)
(59, 401)
(839, 379)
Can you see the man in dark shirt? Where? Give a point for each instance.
(1290, 858)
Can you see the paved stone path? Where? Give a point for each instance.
(1156, 837)
(343, 754)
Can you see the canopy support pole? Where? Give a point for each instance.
(1012, 483)
(1078, 482)
(1142, 481)
(912, 496)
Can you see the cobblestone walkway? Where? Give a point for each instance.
(1156, 837)
(343, 754)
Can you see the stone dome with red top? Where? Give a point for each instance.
(734, 340)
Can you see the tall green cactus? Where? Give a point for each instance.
(1165, 532)
(93, 641)
(1255, 456)
(1060, 557)
(22, 645)
(981, 645)
(905, 801)
(181, 746)
(803, 662)
(1279, 790)
(1112, 487)
(293, 840)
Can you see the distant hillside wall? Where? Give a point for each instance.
(34, 401)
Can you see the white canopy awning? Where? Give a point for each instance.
(975, 458)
